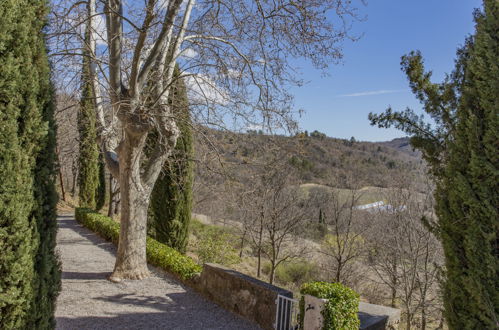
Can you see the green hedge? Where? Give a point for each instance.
(341, 309)
(158, 254)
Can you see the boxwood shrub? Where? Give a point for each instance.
(341, 310)
(158, 254)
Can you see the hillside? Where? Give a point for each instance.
(225, 157)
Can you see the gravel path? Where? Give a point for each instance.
(89, 301)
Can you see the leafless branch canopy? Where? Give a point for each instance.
(236, 56)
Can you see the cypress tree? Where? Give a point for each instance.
(27, 236)
(171, 200)
(462, 152)
(47, 267)
(90, 171)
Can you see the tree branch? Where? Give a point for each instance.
(160, 43)
(140, 45)
(113, 11)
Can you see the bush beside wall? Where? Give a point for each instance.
(341, 309)
(158, 254)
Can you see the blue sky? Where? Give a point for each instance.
(369, 77)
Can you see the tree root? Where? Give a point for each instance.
(119, 275)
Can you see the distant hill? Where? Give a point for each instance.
(403, 145)
(226, 156)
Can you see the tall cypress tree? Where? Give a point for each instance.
(91, 179)
(171, 200)
(27, 236)
(462, 152)
(47, 267)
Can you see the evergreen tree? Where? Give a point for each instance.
(90, 171)
(47, 268)
(28, 266)
(322, 219)
(171, 200)
(462, 152)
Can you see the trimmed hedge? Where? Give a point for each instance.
(158, 254)
(340, 311)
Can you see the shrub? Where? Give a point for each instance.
(340, 311)
(214, 243)
(296, 271)
(158, 254)
(217, 249)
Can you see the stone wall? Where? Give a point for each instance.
(376, 317)
(255, 300)
(244, 295)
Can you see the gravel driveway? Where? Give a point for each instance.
(89, 301)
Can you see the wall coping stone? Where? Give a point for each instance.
(377, 317)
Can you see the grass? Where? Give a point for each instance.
(366, 195)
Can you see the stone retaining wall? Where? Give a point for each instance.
(244, 295)
(255, 300)
(376, 317)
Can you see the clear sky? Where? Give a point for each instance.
(369, 77)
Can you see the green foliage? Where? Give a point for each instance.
(296, 272)
(171, 199)
(158, 254)
(217, 249)
(28, 268)
(47, 279)
(318, 135)
(214, 244)
(314, 230)
(90, 165)
(462, 153)
(322, 217)
(341, 309)
(301, 164)
(100, 198)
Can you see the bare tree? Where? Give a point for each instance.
(407, 256)
(67, 141)
(344, 246)
(234, 56)
(274, 213)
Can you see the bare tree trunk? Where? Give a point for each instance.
(272, 272)
(131, 260)
(75, 176)
(408, 321)
(394, 297)
(114, 192)
(243, 237)
(117, 204)
(259, 251)
(111, 197)
(338, 269)
(394, 283)
(423, 315)
(63, 192)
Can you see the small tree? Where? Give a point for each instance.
(344, 245)
(276, 210)
(405, 255)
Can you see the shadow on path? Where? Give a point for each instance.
(89, 301)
